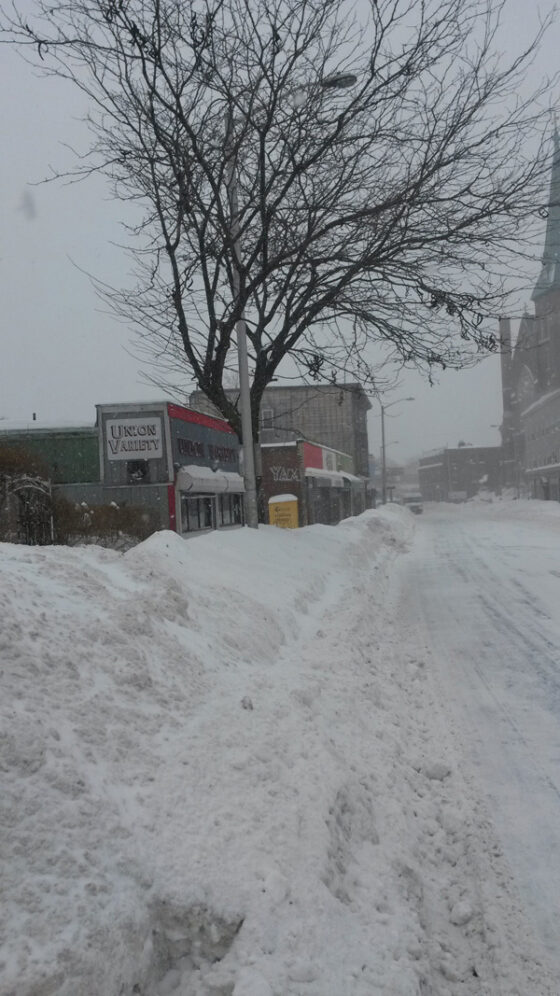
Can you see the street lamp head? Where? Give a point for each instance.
(398, 401)
(339, 81)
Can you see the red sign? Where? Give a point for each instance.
(312, 456)
(187, 415)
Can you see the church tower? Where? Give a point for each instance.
(534, 373)
(547, 289)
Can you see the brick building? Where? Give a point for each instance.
(319, 478)
(459, 473)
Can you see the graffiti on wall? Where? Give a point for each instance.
(284, 473)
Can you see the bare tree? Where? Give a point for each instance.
(383, 214)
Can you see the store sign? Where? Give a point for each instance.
(190, 448)
(206, 451)
(134, 438)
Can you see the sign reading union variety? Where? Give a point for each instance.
(134, 438)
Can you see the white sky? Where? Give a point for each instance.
(61, 354)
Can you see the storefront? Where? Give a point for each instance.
(320, 478)
(333, 495)
(181, 461)
(208, 499)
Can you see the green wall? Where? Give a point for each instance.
(72, 455)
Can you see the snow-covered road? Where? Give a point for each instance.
(481, 590)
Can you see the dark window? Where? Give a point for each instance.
(191, 519)
(206, 513)
(137, 471)
(237, 509)
(267, 418)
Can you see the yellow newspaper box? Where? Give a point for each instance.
(283, 511)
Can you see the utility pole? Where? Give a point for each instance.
(383, 458)
(251, 508)
(384, 408)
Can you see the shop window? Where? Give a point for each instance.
(201, 512)
(230, 510)
(225, 510)
(237, 506)
(137, 471)
(197, 513)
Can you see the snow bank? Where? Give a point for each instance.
(217, 780)
(507, 507)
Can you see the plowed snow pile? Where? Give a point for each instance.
(223, 774)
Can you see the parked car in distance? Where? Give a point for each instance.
(414, 503)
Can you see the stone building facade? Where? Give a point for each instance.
(333, 416)
(531, 371)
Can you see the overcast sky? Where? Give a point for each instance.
(61, 354)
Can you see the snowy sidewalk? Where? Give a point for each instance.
(227, 773)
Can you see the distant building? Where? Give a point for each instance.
(334, 416)
(460, 473)
(531, 371)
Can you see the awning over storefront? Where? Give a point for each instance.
(204, 480)
(353, 479)
(333, 478)
(328, 478)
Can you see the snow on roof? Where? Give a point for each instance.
(8, 426)
(271, 446)
(158, 403)
(543, 400)
(193, 477)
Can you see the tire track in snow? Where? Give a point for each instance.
(501, 673)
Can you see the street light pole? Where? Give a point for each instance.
(384, 446)
(383, 457)
(251, 508)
